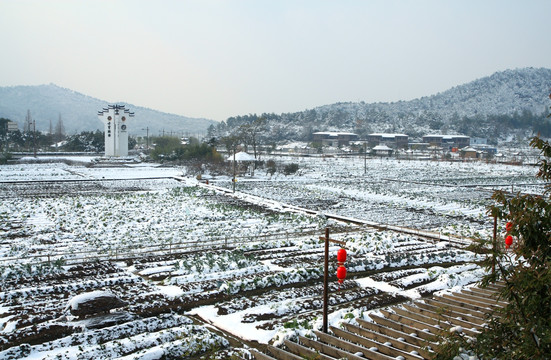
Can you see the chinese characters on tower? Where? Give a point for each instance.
(115, 119)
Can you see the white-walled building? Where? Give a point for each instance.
(447, 142)
(335, 139)
(394, 141)
(115, 118)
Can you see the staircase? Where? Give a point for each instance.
(405, 331)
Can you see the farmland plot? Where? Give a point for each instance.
(180, 256)
(118, 223)
(441, 196)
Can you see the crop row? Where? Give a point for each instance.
(292, 306)
(67, 288)
(244, 302)
(111, 222)
(17, 276)
(174, 342)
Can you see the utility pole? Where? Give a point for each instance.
(51, 134)
(34, 137)
(233, 180)
(6, 137)
(27, 128)
(365, 157)
(147, 138)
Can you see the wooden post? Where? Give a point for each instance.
(326, 281)
(494, 245)
(326, 276)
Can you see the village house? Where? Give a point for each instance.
(447, 142)
(336, 139)
(393, 141)
(382, 150)
(469, 153)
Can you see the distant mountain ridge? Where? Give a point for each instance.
(510, 103)
(79, 112)
(484, 107)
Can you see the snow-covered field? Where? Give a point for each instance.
(185, 260)
(448, 197)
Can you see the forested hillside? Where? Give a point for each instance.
(505, 106)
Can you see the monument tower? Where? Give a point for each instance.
(115, 119)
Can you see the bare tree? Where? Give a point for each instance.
(231, 142)
(249, 133)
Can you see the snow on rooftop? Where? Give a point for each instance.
(332, 133)
(241, 156)
(386, 135)
(447, 136)
(381, 148)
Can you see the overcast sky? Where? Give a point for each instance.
(217, 59)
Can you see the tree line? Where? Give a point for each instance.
(31, 140)
(301, 125)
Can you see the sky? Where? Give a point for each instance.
(220, 58)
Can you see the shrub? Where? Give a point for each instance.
(290, 169)
(271, 167)
(4, 157)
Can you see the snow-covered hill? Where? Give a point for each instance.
(79, 112)
(508, 104)
(493, 107)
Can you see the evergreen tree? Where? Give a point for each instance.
(28, 126)
(59, 130)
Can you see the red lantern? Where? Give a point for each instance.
(509, 226)
(341, 256)
(341, 273)
(508, 241)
